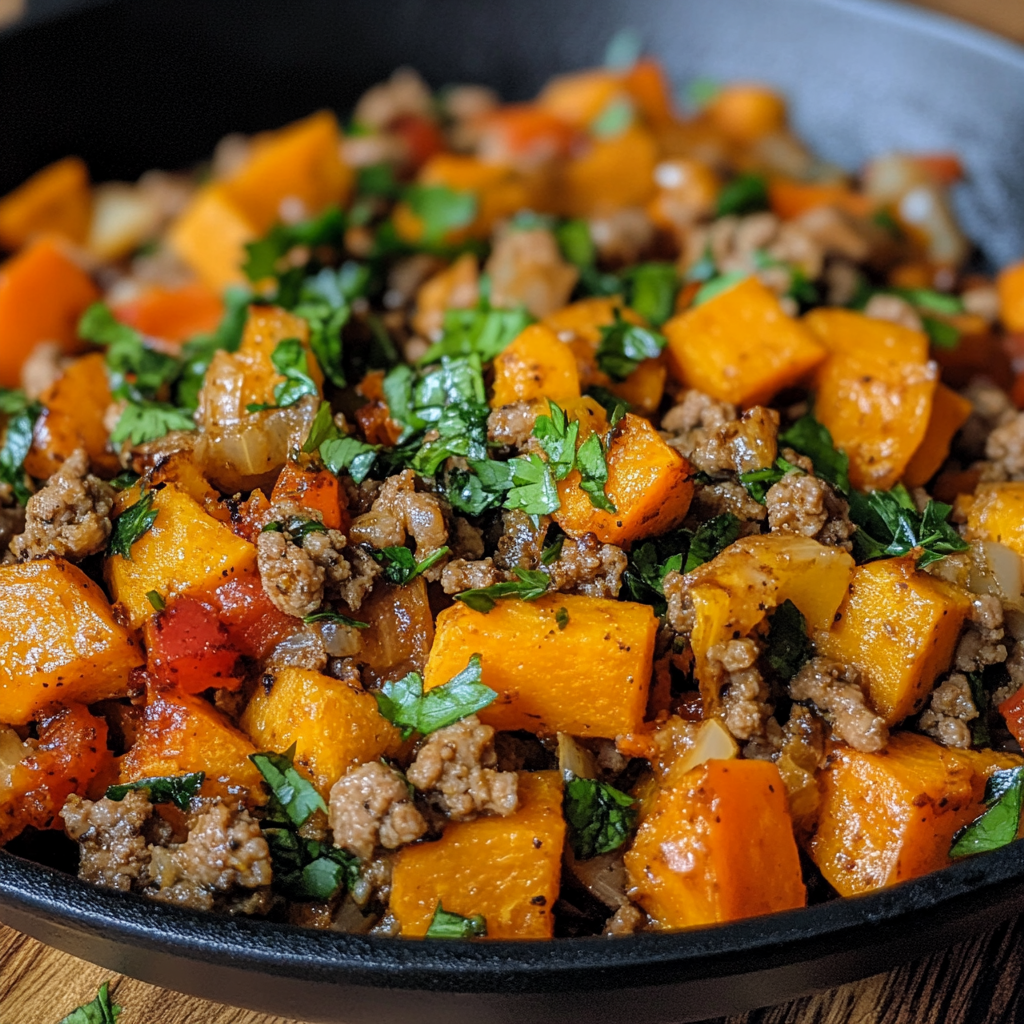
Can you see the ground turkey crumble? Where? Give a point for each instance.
(835, 690)
(802, 504)
(69, 517)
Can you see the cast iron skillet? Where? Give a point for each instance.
(132, 84)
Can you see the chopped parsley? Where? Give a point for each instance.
(21, 416)
(197, 353)
(170, 789)
(998, 826)
(154, 598)
(528, 586)
(341, 620)
(403, 703)
(295, 528)
(593, 468)
(812, 439)
(558, 439)
(294, 796)
(100, 1011)
(614, 406)
(349, 454)
(600, 818)
(789, 646)
(484, 331)
(290, 360)
(264, 256)
(715, 286)
(445, 925)
(651, 290)
(549, 554)
(124, 480)
(306, 869)
(759, 482)
(131, 524)
(323, 428)
(400, 565)
(532, 489)
(146, 421)
(624, 346)
(710, 539)
(441, 209)
(746, 193)
(562, 617)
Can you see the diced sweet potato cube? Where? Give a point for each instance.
(536, 667)
(318, 490)
(900, 627)
(401, 631)
(174, 314)
(301, 161)
(790, 198)
(609, 175)
(43, 294)
(740, 346)
(949, 414)
(59, 640)
(55, 200)
(1011, 296)
(181, 734)
(995, 512)
(717, 846)
(580, 96)
(506, 869)
(335, 724)
(210, 237)
(649, 483)
(874, 392)
(890, 816)
(184, 552)
(535, 365)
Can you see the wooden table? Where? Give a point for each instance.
(978, 982)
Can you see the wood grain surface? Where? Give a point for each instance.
(977, 982)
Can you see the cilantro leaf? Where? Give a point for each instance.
(715, 286)
(593, 469)
(746, 193)
(788, 643)
(329, 616)
(305, 869)
(482, 330)
(562, 617)
(533, 489)
(651, 290)
(649, 564)
(17, 439)
(998, 826)
(290, 360)
(558, 439)
(131, 524)
(445, 925)
(264, 256)
(403, 703)
(400, 565)
(322, 429)
(480, 488)
(624, 346)
(441, 209)
(813, 440)
(349, 454)
(100, 1011)
(295, 795)
(170, 789)
(711, 538)
(759, 482)
(529, 585)
(600, 817)
(614, 406)
(146, 421)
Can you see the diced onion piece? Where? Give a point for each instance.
(123, 218)
(713, 742)
(997, 570)
(575, 759)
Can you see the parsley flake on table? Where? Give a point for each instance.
(445, 925)
(100, 1011)
(169, 789)
(600, 818)
(131, 524)
(998, 826)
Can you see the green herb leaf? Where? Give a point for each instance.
(444, 925)
(124, 480)
(296, 796)
(746, 193)
(573, 237)
(549, 554)
(100, 1011)
(321, 429)
(197, 353)
(614, 406)
(562, 617)
(998, 826)
(813, 440)
(305, 869)
(616, 117)
(716, 286)
(400, 565)
(441, 209)
(17, 439)
(349, 454)
(699, 93)
(290, 360)
(147, 421)
(624, 346)
(329, 616)
(484, 331)
(156, 600)
(131, 524)
(789, 646)
(265, 255)
(590, 461)
(710, 539)
(170, 789)
(528, 586)
(940, 333)
(651, 290)
(650, 563)
(600, 817)
(404, 703)
(483, 487)
(759, 482)
(558, 439)
(533, 489)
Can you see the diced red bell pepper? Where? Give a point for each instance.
(255, 627)
(174, 314)
(313, 489)
(189, 647)
(1012, 709)
(421, 135)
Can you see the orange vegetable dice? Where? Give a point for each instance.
(745, 112)
(790, 198)
(43, 294)
(335, 724)
(507, 869)
(874, 392)
(174, 314)
(317, 490)
(535, 666)
(717, 846)
(301, 161)
(535, 365)
(1010, 284)
(180, 734)
(740, 346)
(995, 512)
(651, 90)
(900, 627)
(59, 640)
(890, 816)
(210, 237)
(949, 414)
(578, 97)
(649, 483)
(55, 200)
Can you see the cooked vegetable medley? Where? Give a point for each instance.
(561, 518)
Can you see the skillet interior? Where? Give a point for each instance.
(132, 84)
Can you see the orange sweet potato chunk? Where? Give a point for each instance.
(55, 200)
(536, 668)
(900, 627)
(995, 512)
(334, 724)
(891, 816)
(535, 365)
(717, 846)
(43, 294)
(649, 483)
(1010, 284)
(740, 346)
(210, 237)
(507, 869)
(949, 414)
(59, 640)
(874, 392)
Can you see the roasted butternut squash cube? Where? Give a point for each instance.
(535, 365)
(184, 552)
(334, 724)
(949, 414)
(538, 669)
(55, 200)
(59, 640)
(649, 483)
(717, 846)
(580, 96)
(740, 346)
(210, 237)
(995, 512)
(900, 628)
(611, 174)
(874, 392)
(890, 816)
(1011, 296)
(300, 163)
(507, 869)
